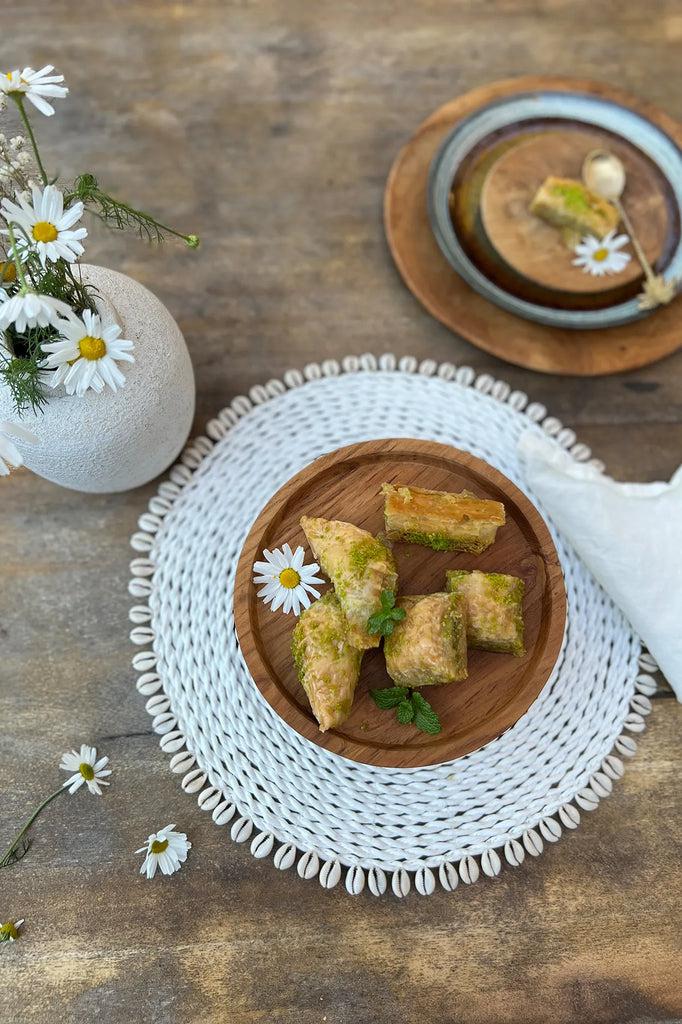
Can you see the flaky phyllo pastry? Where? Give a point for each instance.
(441, 520)
(494, 609)
(327, 665)
(429, 647)
(360, 567)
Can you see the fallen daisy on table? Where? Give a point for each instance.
(602, 256)
(86, 768)
(9, 931)
(9, 453)
(287, 581)
(86, 355)
(166, 850)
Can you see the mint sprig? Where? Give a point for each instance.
(410, 707)
(384, 621)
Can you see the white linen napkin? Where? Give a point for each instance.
(628, 535)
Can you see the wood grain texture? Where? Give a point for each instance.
(269, 128)
(346, 485)
(535, 248)
(446, 296)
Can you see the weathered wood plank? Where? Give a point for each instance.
(269, 128)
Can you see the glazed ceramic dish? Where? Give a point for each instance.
(524, 115)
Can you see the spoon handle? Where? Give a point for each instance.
(646, 266)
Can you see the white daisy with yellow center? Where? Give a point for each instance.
(602, 256)
(287, 581)
(35, 86)
(86, 769)
(165, 849)
(86, 355)
(9, 931)
(26, 309)
(45, 226)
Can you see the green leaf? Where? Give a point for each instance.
(398, 614)
(388, 627)
(389, 697)
(387, 600)
(425, 718)
(404, 712)
(375, 623)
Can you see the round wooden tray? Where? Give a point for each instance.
(446, 296)
(535, 248)
(346, 485)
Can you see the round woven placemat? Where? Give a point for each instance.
(289, 797)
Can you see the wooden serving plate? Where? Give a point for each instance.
(449, 298)
(535, 248)
(500, 688)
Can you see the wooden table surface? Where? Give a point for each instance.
(268, 128)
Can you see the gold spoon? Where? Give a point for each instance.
(604, 174)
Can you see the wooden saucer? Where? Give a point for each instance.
(500, 688)
(447, 297)
(535, 248)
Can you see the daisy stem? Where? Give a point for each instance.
(19, 100)
(9, 852)
(15, 256)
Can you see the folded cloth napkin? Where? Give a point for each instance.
(628, 535)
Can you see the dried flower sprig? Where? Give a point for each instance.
(86, 769)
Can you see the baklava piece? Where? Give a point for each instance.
(441, 520)
(494, 609)
(360, 567)
(429, 646)
(327, 665)
(569, 205)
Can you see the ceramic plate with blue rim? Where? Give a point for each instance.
(470, 150)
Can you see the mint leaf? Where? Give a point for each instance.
(383, 622)
(390, 697)
(404, 712)
(425, 718)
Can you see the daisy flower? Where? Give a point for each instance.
(9, 453)
(9, 931)
(165, 849)
(287, 580)
(599, 257)
(46, 225)
(86, 768)
(35, 86)
(86, 355)
(29, 309)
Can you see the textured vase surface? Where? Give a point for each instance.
(116, 441)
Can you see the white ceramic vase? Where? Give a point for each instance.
(116, 441)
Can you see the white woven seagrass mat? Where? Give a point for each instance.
(287, 796)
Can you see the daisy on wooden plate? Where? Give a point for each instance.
(165, 849)
(287, 581)
(602, 256)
